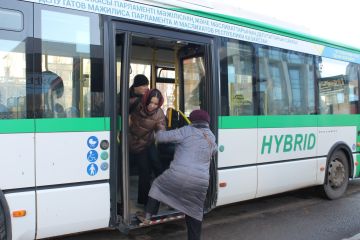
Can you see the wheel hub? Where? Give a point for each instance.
(336, 174)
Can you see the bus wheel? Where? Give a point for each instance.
(2, 224)
(337, 176)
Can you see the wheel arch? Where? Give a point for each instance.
(4, 205)
(342, 146)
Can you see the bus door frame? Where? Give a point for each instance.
(115, 27)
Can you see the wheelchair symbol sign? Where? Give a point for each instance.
(92, 156)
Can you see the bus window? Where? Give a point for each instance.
(165, 82)
(237, 78)
(12, 67)
(76, 58)
(11, 20)
(139, 68)
(194, 75)
(286, 82)
(338, 86)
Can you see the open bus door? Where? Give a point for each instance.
(148, 51)
(197, 93)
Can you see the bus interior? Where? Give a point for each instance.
(178, 70)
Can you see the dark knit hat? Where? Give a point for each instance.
(199, 115)
(140, 80)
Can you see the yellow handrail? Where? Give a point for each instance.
(169, 116)
(185, 117)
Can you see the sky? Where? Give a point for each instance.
(337, 21)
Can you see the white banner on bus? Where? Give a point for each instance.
(173, 19)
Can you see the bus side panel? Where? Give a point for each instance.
(240, 147)
(240, 185)
(17, 159)
(328, 136)
(287, 147)
(321, 164)
(65, 157)
(283, 144)
(73, 209)
(22, 227)
(286, 176)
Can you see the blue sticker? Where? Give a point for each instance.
(92, 169)
(92, 155)
(104, 166)
(92, 142)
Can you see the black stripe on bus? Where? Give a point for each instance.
(270, 163)
(65, 185)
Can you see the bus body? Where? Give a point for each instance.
(284, 107)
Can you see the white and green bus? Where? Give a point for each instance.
(284, 107)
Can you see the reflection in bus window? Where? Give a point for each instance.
(338, 86)
(12, 79)
(75, 56)
(240, 78)
(11, 20)
(286, 82)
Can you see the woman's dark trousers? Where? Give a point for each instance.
(193, 228)
(144, 171)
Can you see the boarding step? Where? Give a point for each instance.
(163, 218)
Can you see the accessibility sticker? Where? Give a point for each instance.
(92, 142)
(92, 169)
(92, 156)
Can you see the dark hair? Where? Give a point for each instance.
(150, 94)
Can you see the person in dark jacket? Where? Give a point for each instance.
(145, 120)
(184, 185)
(139, 87)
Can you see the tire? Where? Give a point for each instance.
(2, 224)
(336, 176)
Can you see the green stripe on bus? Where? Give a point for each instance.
(107, 124)
(287, 121)
(233, 122)
(283, 121)
(339, 120)
(17, 125)
(238, 122)
(71, 124)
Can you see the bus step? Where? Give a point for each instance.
(162, 219)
